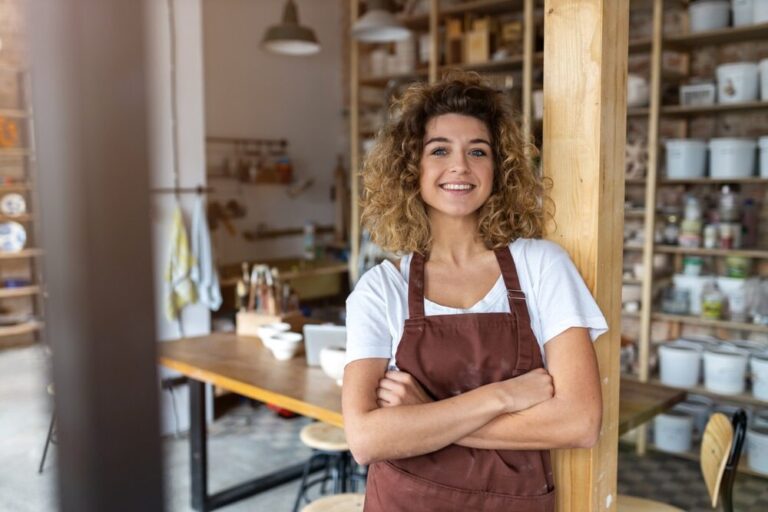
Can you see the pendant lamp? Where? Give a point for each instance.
(378, 24)
(290, 38)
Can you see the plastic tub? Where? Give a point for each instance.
(673, 431)
(694, 284)
(763, 66)
(708, 15)
(699, 407)
(763, 144)
(757, 449)
(731, 157)
(725, 371)
(742, 12)
(686, 158)
(758, 367)
(759, 11)
(737, 82)
(680, 364)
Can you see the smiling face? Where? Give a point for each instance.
(456, 166)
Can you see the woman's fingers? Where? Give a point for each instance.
(388, 396)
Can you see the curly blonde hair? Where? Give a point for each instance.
(392, 208)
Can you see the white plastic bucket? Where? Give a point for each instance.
(763, 66)
(742, 12)
(708, 15)
(694, 285)
(760, 418)
(757, 449)
(758, 367)
(680, 364)
(725, 371)
(737, 82)
(759, 11)
(763, 144)
(686, 158)
(731, 157)
(699, 408)
(673, 431)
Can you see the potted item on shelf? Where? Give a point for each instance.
(707, 15)
(763, 66)
(13, 236)
(763, 144)
(638, 92)
(680, 363)
(694, 285)
(477, 41)
(712, 301)
(742, 12)
(671, 231)
(673, 431)
(676, 301)
(759, 11)
(732, 157)
(693, 265)
(13, 205)
(698, 94)
(454, 40)
(737, 82)
(736, 290)
(686, 158)
(725, 370)
(690, 227)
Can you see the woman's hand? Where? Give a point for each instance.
(400, 388)
(527, 390)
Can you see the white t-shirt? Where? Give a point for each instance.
(556, 296)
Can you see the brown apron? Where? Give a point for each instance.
(449, 355)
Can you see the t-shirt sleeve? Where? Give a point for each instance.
(368, 334)
(563, 299)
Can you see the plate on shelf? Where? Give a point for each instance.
(13, 236)
(13, 205)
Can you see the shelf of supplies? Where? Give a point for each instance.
(511, 63)
(421, 21)
(19, 329)
(721, 324)
(25, 253)
(634, 213)
(640, 45)
(633, 247)
(700, 251)
(715, 181)
(638, 111)
(718, 108)
(719, 36)
(14, 112)
(21, 291)
(382, 80)
(629, 314)
(741, 398)
(634, 181)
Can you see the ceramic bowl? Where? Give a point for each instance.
(332, 361)
(268, 330)
(284, 345)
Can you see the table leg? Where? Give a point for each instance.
(198, 445)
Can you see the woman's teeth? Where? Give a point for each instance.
(451, 186)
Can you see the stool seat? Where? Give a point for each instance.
(325, 437)
(634, 504)
(350, 502)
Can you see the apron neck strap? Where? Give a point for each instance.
(416, 286)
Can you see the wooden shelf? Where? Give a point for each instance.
(19, 329)
(715, 181)
(11, 152)
(24, 217)
(630, 247)
(718, 108)
(635, 181)
(15, 187)
(638, 111)
(720, 36)
(26, 253)
(721, 324)
(14, 112)
(642, 45)
(700, 251)
(421, 21)
(382, 80)
(741, 398)
(21, 291)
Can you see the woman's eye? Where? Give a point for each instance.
(478, 152)
(439, 152)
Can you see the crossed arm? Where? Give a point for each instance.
(388, 416)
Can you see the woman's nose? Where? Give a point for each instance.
(459, 163)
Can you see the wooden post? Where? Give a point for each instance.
(354, 146)
(585, 67)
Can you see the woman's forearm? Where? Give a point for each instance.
(409, 430)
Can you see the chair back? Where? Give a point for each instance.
(720, 452)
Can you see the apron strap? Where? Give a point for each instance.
(416, 286)
(518, 307)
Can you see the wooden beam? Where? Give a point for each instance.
(434, 38)
(585, 67)
(354, 144)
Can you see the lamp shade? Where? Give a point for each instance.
(379, 25)
(290, 38)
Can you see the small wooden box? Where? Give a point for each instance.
(248, 322)
(477, 46)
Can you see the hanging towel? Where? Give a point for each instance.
(180, 287)
(204, 273)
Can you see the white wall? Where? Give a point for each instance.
(252, 93)
(189, 72)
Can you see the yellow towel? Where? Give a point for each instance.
(180, 290)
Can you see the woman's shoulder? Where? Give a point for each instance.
(537, 251)
(382, 276)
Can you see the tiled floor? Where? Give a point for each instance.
(251, 441)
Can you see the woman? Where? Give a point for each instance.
(445, 393)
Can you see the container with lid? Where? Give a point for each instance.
(758, 366)
(686, 158)
(737, 82)
(763, 144)
(732, 157)
(757, 449)
(742, 12)
(708, 15)
(763, 66)
(673, 431)
(759, 11)
(725, 371)
(680, 364)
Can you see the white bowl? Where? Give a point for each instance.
(332, 360)
(284, 345)
(269, 330)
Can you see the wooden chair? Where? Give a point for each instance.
(339, 503)
(720, 452)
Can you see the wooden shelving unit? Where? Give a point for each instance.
(727, 108)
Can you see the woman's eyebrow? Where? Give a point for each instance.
(445, 139)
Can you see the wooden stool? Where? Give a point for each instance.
(330, 445)
(338, 503)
